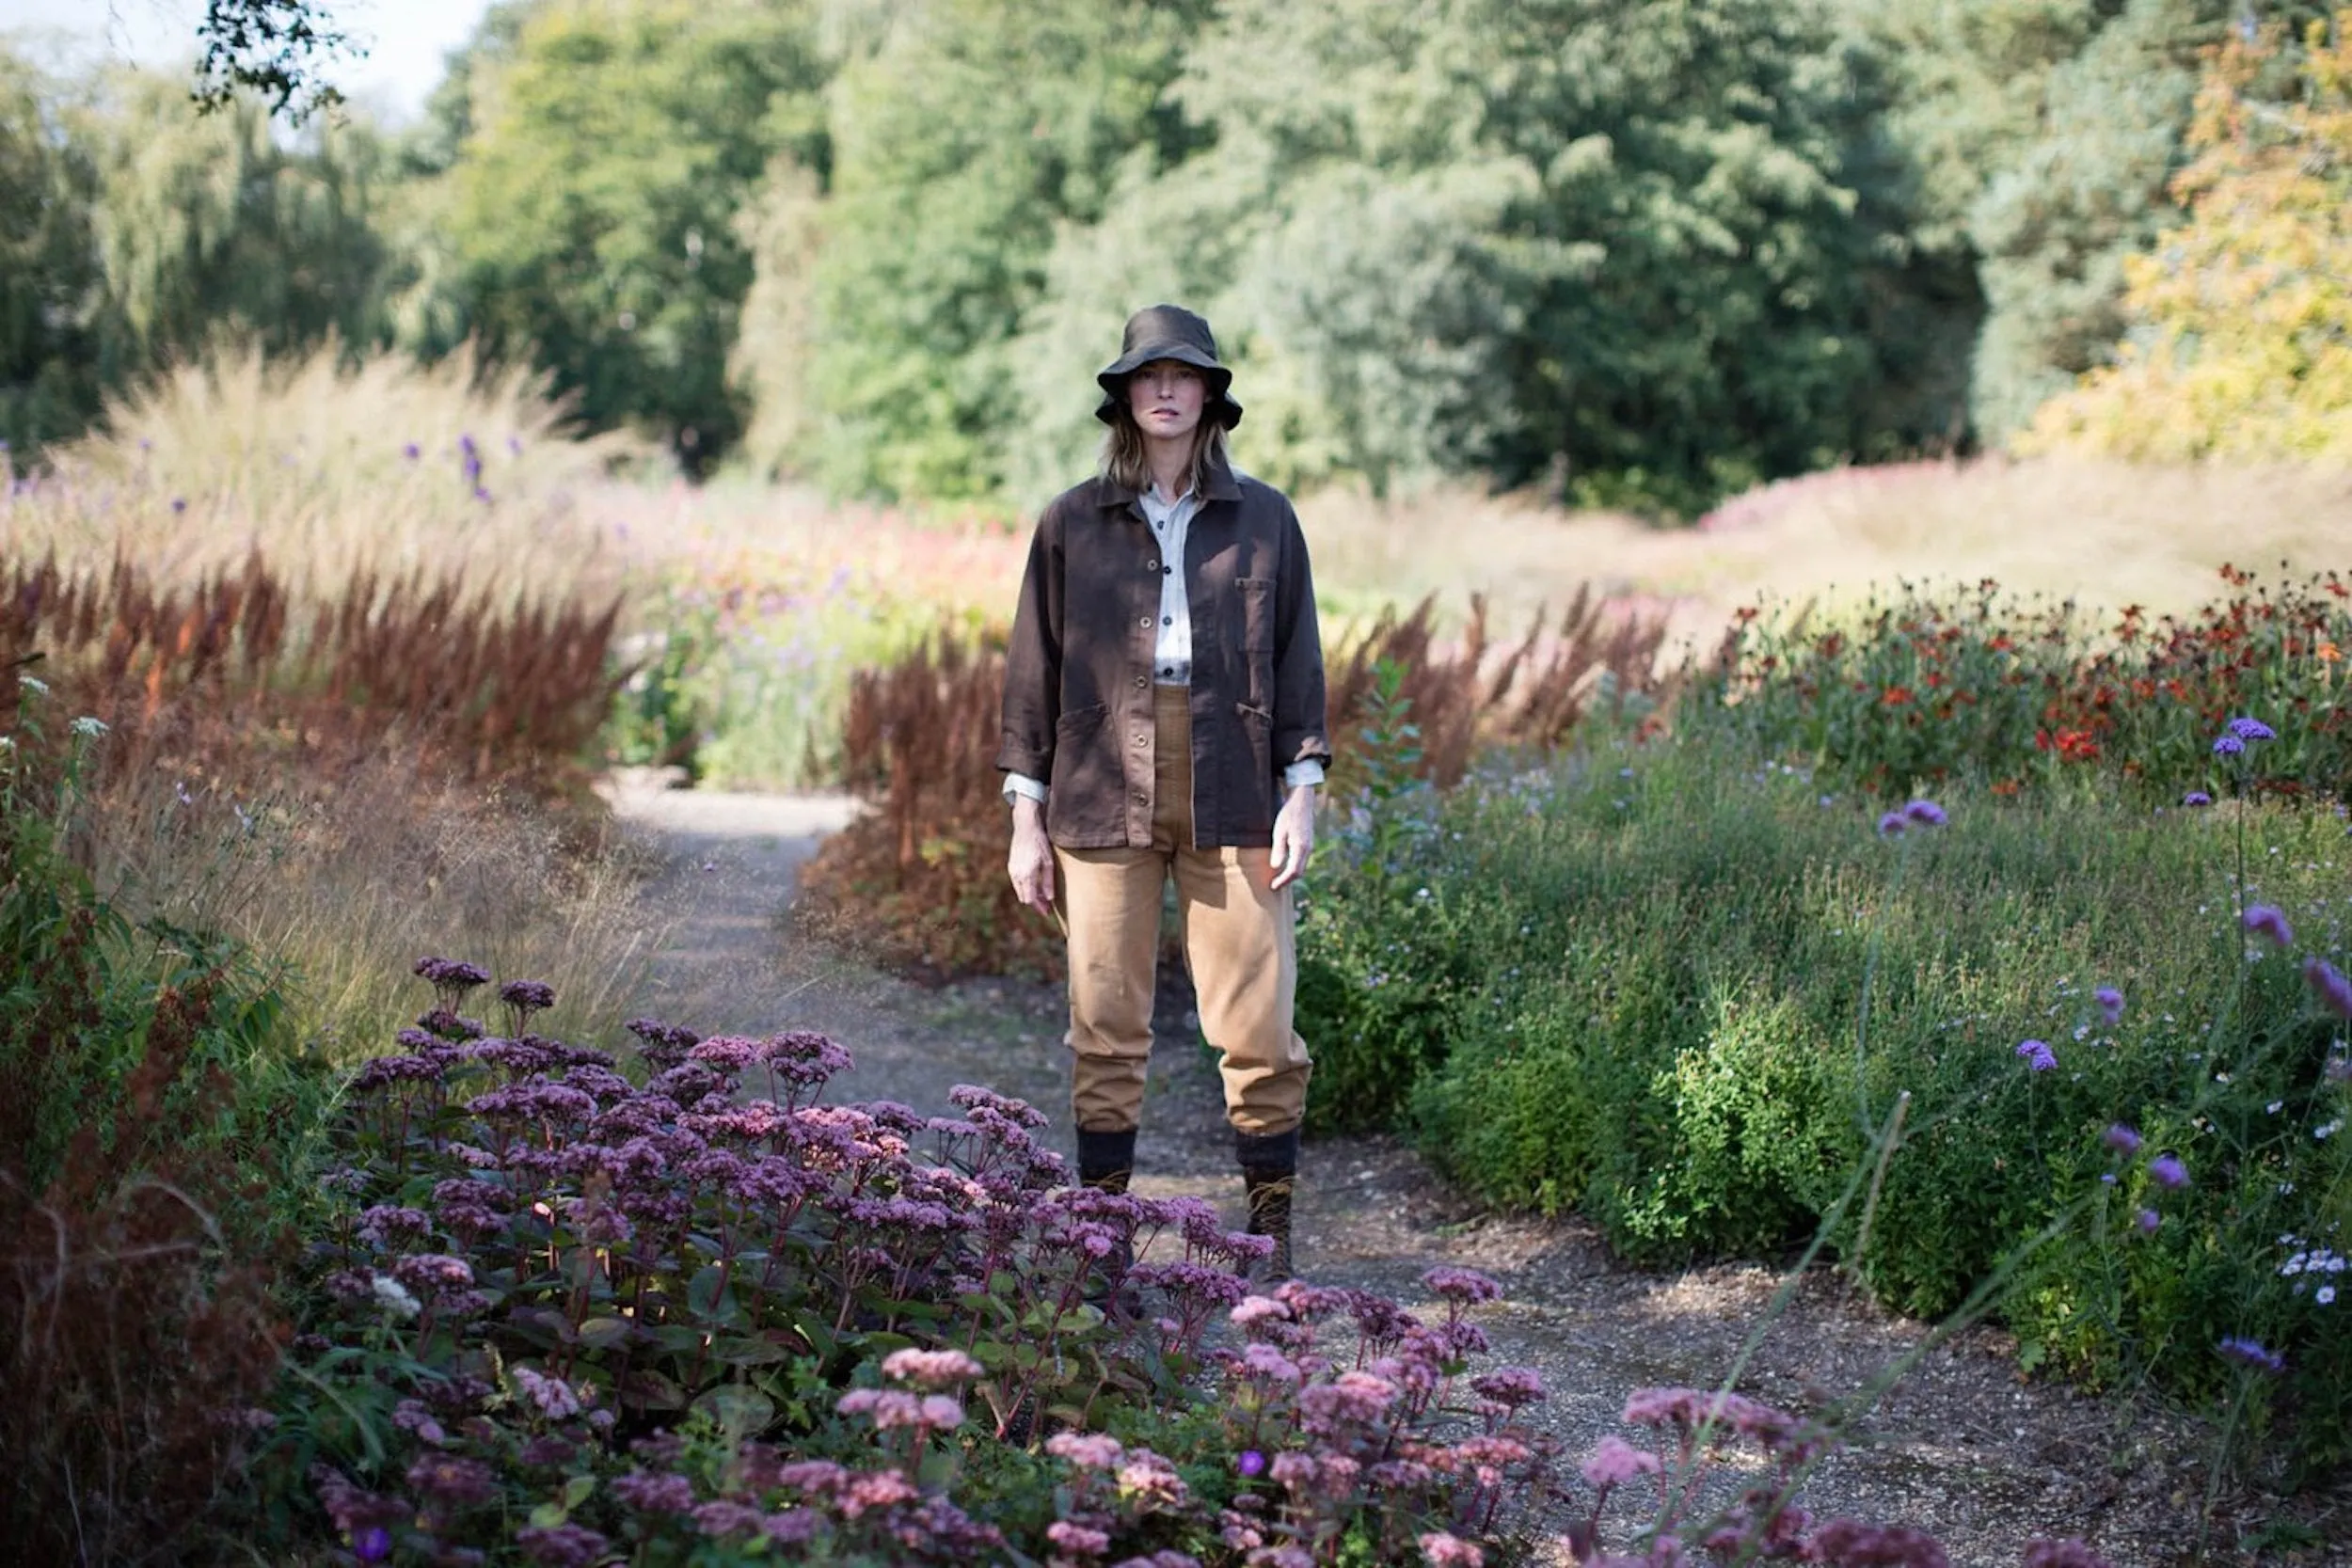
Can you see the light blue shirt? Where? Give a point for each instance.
(1171, 650)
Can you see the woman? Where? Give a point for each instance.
(1163, 717)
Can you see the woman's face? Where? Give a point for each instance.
(1166, 398)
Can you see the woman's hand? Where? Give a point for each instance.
(1031, 863)
(1293, 836)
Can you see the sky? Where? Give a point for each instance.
(406, 39)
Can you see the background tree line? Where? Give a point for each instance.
(1638, 252)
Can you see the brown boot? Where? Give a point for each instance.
(1269, 1171)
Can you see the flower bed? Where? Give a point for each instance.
(1933, 685)
(564, 1316)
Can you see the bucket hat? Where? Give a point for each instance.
(1167, 332)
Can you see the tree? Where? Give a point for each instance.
(1641, 254)
(2044, 132)
(49, 384)
(204, 224)
(133, 230)
(273, 49)
(965, 139)
(590, 212)
(2241, 318)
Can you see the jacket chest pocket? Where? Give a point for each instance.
(1256, 598)
(1257, 614)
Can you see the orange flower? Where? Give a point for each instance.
(2327, 653)
(1895, 696)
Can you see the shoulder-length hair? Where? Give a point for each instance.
(1126, 462)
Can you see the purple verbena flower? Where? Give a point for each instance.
(2037, 1055)
(2147, 1220)
(2196, 798)
(2228, 746)
(2268, 920)
(1926, 814)
(1893, 825)
(2330, 986)
(2168, 1172)
(2110, 1005)
(2250, 1353)
(2124, 1140)
(2252, 729)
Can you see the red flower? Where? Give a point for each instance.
(1895, 696)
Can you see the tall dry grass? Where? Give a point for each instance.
(2106, 534)
(347, 883)
(330, 466)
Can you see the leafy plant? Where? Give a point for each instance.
(156, 1146)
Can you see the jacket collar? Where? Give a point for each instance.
(1221, 486)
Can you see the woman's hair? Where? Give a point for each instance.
(1127, 463)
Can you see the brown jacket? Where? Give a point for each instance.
(1077, 710)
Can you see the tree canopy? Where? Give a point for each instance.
(2241, 319)
(1632, 252)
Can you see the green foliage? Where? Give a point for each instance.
(964, 140)
(590, 210)
(138, 231)
(1653, 1014)
(156, 1138)
(2044, 133)
(275, 48)
(1631, 254)
(48, 268)
(2240, 318)
(1379, 1005)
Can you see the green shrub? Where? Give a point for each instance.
(155, 1145)
(1649, 1005)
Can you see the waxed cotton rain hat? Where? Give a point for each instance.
(1167, 332)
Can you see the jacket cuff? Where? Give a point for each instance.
(1024, 787)
(1309, 773)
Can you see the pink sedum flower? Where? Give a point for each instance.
(1614, 1461)
(1087, 1451)
(1440, 1549)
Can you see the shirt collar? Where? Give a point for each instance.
(1221, 486)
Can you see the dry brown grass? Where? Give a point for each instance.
(2106, 534)
(398, 771)
(232, 675)
(310, 461)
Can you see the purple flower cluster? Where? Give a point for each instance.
(2037, 1055)
(1917, 814)
(571, 1254)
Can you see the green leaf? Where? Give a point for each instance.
(606, 1333)
(741, 1410)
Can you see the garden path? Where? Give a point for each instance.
(1963, 1448)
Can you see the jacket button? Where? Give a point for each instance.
(1145, 622)
(1139, 739)
(1151, 565)
(1142, 681)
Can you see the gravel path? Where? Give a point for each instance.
(1964, 1448)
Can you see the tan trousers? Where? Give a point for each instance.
(1238, 943)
